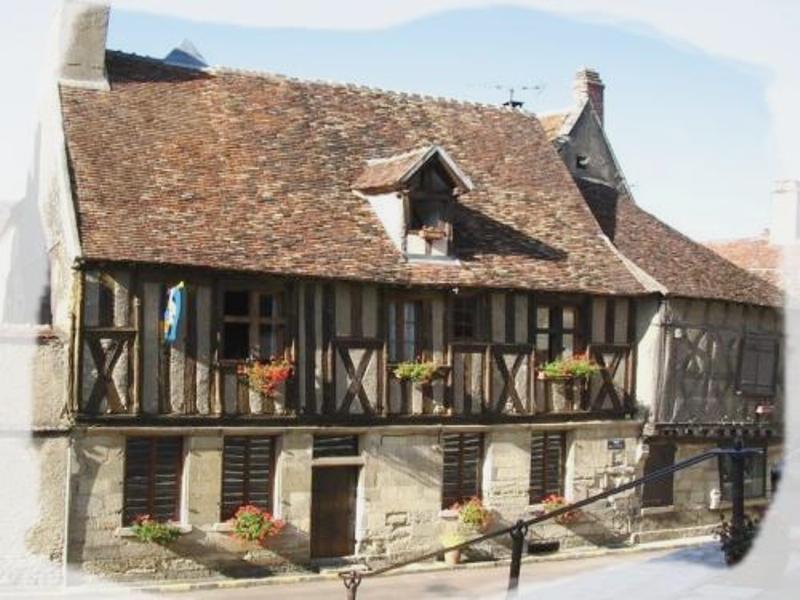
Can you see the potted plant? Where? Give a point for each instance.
(566, 379)
(147, 529)
(252, 524)
(473, 514)
(555, 502)
(265, 376)
(453, 538)
(419, 371)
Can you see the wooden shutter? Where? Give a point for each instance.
(153, 468)
(326, 446)
(547, 465)
(659, 492)
(248, 470)
(461, 477)
(758, 363)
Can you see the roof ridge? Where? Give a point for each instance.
(360, 87)
(245, 72)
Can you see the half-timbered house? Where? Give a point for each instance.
(709, 342)
(347, 230)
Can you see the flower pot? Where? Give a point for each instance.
(564, 394)
(453, 557)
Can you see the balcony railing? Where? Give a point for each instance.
(352, 579)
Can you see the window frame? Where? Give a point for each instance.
(463, 495)
(153, 445)
(423, 190)
(754, 389)
(479, 325)
(254, 320)
(561, 441)
(246, 470)
(555, 330)
(396, 328)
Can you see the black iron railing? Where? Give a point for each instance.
(353, 578)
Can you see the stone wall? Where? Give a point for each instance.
(399, 510)
(691, 515)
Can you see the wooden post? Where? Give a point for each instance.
(517, 542)
(351, 580)
(737, 493)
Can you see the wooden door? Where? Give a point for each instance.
(333, 511)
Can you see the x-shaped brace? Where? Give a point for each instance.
(509, 382)
(356, 387)
(104, 384)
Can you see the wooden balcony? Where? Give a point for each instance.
(354, 381)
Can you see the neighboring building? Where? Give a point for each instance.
(709, 345)
(758, 255)
(348, 229)
(766, 254)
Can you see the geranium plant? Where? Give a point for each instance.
(555, 502)
(252, 524)
(147, 529)
(577, 365)
(416, 371)
(266, 376)
(472, 513)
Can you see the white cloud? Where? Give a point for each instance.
(758, 33)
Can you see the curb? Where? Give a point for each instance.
(429, 567)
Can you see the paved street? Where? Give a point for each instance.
(460, 584)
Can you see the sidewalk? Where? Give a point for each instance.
(570, 561)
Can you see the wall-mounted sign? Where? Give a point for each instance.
(616, 444)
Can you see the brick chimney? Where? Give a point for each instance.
(82, 44)
(588, 85)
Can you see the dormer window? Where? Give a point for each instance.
(413, 195)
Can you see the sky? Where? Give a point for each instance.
(696, 111)
(691, 131)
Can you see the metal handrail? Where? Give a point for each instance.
(352, 578)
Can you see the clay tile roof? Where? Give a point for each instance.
(682, 266)
(388, 173)
(393, 172)
(254, 172)
(756, 255)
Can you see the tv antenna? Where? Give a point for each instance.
(513, 102)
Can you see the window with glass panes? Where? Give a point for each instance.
(555, 331)
(252, 324)
(406, 330)
(467, 317)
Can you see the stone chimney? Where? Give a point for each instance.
(785, 226)
(82, 44)
(588, 85)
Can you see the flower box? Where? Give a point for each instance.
(420, 372)
(564, 394)
(566, 381)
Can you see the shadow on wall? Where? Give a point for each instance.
(96, 548)
(24, 259)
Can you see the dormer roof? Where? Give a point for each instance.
(394, 172)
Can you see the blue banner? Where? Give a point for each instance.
(173, 313)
